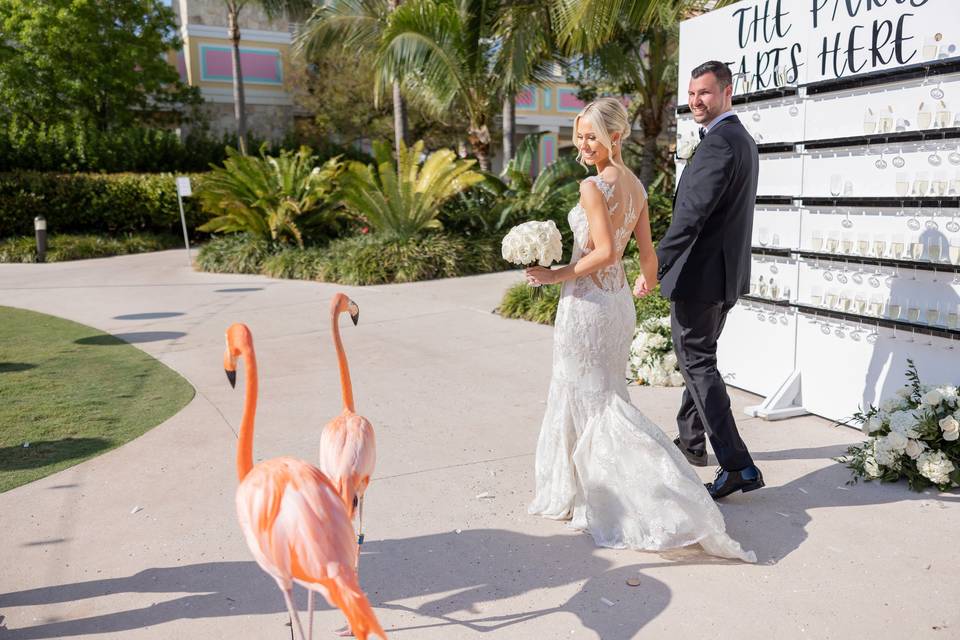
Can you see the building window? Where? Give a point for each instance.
(259, 66)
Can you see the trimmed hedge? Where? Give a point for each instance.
(361, 260)
(94, 203)
(61, 248)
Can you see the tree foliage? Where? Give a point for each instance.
(96, 61)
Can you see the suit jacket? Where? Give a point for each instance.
(705, 254)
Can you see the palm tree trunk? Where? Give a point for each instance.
(400, 129)
(239, 106)
(479, 137)
(509, 127)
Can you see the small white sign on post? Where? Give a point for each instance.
(183, 187)
(184, 191)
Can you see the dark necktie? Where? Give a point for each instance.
(703, 132)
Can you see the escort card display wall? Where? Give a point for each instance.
(855, 107)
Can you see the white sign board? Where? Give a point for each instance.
(183, 187)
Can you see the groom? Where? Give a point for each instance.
(704, 267)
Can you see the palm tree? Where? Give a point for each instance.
(404, 198)
(465, 56)
(630, 48)
(355, 25)
(527, 53)
(273, 9)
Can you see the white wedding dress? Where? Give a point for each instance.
(600, 461)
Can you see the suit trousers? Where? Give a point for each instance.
(705, 406)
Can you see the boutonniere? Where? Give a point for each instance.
(686, 148)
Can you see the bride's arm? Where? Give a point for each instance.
(644, 238)
(603, 253)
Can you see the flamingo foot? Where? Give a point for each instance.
(344, 631)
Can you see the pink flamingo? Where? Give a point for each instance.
(348, 448)
(292, 517)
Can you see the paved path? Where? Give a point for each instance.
(456, 394)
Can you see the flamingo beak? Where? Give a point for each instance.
(231, 377)
(354, 312)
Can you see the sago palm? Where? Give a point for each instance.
(271, 198)
(405, 197)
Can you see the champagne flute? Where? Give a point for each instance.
(913, 310)
(933, 248)
(879, 245)
(902, 184)
(921, 184)
(832, 243)
(817, 240)
(940, 183)
(885, 121)
(893, 310)
(954, 253)
(836, 184)
(860, 303)
(896, 246)
(816, 296)
(924, 116)
(863, 244)
(869, 122)
(916, 250)
(846, 242)
(932, 316)
(953, 314)
(875, 308)
(931, 47)
(942, 120)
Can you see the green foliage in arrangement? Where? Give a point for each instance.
(276, 199)
(404, 198)
(359, 260)
(61, 248)
(93, 203)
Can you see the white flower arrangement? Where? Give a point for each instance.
(652, 360)
(686, 148)
(533, 243)
(914, 435)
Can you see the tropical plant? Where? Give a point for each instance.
(354, 27)
(555, 189)
(271, 198)
(273, 9)
(404, 198)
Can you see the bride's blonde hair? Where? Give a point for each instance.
(606, 116)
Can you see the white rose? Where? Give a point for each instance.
(871, 467)
(676, 380)
(670, 361)
(951, 428)
(915, 448)
(932, 398)
(873, 424)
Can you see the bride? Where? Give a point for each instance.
(600, 462)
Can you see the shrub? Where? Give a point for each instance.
(404, 198)
(93, 203)
(235, 253)
(519, 302)
(362, 260)
(275, 199)
(65, 247)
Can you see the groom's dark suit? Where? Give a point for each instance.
(704, 267)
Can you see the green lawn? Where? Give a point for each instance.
(73, 392)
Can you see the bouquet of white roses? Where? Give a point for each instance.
(652, 360)
(533, 243)
(914, 435)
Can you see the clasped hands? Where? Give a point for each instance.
(543, 275)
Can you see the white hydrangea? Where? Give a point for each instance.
(949, 394)
(935, 466)
(904, 392)
(951, 428)
(904, 423)
(890, 405)
(888, 449)
(643, 366)
(533, 242)
(873, 424)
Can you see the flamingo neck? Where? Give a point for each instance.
(245, 442)
(346, 388)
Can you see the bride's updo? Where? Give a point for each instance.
(606, 116)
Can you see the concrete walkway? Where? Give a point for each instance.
(456, 395)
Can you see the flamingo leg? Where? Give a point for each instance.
(310, 595)
(359, 539)
(288, 596)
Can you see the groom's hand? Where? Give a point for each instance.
(642, 288)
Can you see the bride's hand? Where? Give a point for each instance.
(542, 275)
(642, 287)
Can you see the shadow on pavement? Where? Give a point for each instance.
(156, 315)
(454, 577)
(44, 452)
(130, 338)
(238, 290)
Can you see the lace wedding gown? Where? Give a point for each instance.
(600, 461)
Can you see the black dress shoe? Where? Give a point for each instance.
(728, 482)
(696, 459)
